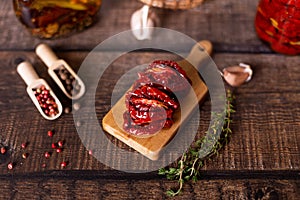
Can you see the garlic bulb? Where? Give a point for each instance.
(237, 75)
(142, 23)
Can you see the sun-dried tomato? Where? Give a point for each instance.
(166, 76)
(152, 101)
(169, 63)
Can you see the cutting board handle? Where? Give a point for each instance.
(200, 52)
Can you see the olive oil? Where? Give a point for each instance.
(56, 18)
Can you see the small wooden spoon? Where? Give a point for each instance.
(33, 81)
(54, 63)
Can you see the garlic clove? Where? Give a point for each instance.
(247, 69)
(142, 23)
(237, 75)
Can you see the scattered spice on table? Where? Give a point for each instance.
(47, 154)
(78, 123)
(53, 145)
(60, 143)
(24, 145)
(76, 106)
(58, 150)
(10, 166)
(50, 133)
(56, 146)
(25, 155)
(63, 164)
(67, 110)
(3, 150)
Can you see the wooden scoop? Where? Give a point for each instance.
(32, 81)
(151, 146)
(53, 63)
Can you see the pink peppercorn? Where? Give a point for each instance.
(54, 145)
(24, 145)
(47, 154)
(50, 133)
(3, 150)
(10, 166)
(63, 164)
(58, 150)
(25, 155)
(60, 143)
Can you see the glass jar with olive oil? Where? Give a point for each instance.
(56, 18)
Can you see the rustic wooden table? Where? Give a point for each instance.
(262, 160)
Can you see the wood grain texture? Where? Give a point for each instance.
(53, 188)
(229, 24)
(262, 160)
(265, 126)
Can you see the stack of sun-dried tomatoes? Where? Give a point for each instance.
(154, 98)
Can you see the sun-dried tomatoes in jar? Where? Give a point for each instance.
(278, 23)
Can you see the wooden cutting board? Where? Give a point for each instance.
(152, 146)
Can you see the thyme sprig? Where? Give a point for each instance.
(190, 163)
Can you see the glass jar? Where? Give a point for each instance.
(278, 23)
(55, 18)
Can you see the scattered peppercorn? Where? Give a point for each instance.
(25, 155)
(10, 166)
(50, 133)
(67, 110)
(58, 150)
(3, 150)
(60, 143)
(47, 155)
(24, 145)
(78, 123)
(76, 106)
(63, 164)
(54, 145)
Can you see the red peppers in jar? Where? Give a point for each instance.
(278, 23)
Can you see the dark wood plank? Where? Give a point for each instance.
(265, 127)
(52, 188)
(229, 24)
(267, 120)
(262, 160)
